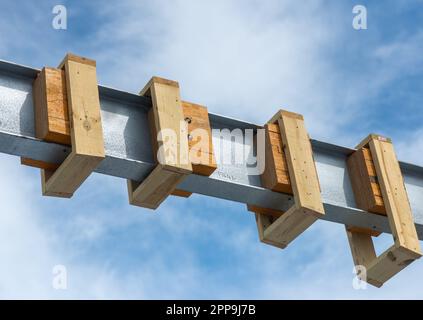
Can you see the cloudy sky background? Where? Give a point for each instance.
(244, 59)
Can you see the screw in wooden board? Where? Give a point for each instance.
(87, 125)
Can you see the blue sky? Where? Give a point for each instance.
(240, 58)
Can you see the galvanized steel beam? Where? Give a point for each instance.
(129, 154)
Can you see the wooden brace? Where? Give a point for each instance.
(67, 111)
(290, 168)
(188, 150)
(376, 270)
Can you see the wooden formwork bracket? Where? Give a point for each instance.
(378, 187)
(52, 124)
(67, 111)
(169, 135)
(289, 168)
(186, 149)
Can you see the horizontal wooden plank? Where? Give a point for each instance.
(158, 185)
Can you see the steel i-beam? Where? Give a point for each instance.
(129, 154)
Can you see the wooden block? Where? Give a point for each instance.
(199, 142)
(263, 222)
(266, 211)
(364, 182)
(78, 59)
(201, 152)
(378, 269)
(290, 225)
(303, 180)
(166, 119)
(86, 131)
(181, 193)
(64, 181)
(362, 248)
(151, 192)
(366, 141)
(301, 167)
(275, 176)
(388, 264)
(51, 107)
(406, 246)
(394, 194)
(39, 164)
(367, 231)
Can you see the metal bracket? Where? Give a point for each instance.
(280, 228)
(376, 270)
(68, 98)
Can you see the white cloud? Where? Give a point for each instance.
(162, 255)
(411, 147)
(245, 61)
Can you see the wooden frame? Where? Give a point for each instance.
(166, 116)
(67, 111)
(406, 246)
(280, 228)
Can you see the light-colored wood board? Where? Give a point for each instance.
(369, 232)
(290, 225)
(65, 180)
(302, 170)
(275, 176)
(50, 106)
(153, 190)
(263, 222)
(364, 182)
(284, 113)
(388, 264)
(395, 195)
(86, 131)
(362, 248)
(78, 59)
(84, 105)
(168, 115)
(366, 141)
